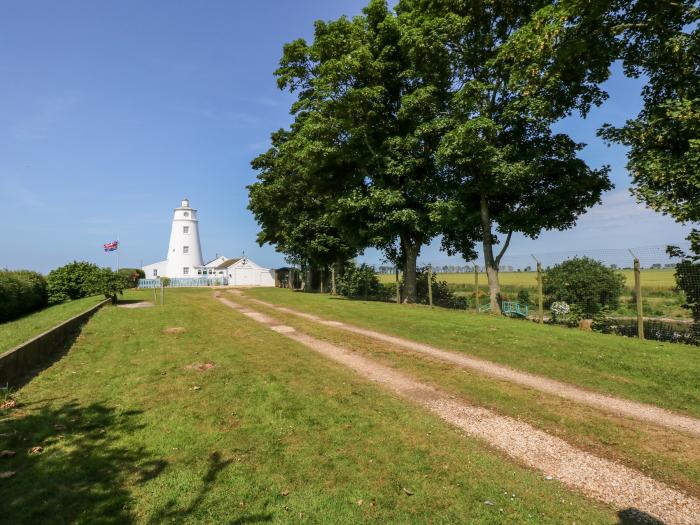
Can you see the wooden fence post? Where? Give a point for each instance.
(638, 295)
(540, 293)
(476, 288)
(430, 285)
(398, 287)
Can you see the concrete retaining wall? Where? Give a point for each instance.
(19, 361)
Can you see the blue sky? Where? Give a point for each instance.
(110, 113)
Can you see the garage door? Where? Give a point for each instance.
(246, 277)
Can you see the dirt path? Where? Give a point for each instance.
(626, 489)
(606, 403)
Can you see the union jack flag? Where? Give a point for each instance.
(111, 246)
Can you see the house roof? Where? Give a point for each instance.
(227, 263)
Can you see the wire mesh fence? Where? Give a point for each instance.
(643, 291)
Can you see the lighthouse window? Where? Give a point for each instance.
(185, 229)
(155, 273)
(186, 214)
(185, 249)
(185, 271)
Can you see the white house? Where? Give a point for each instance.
(184, 259)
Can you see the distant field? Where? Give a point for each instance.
(16, 332)
(650, 278)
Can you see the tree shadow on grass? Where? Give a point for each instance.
(81, 475)
(632, 516)
(170, 514)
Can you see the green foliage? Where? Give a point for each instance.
(165, 281)
(108, 283)
(524, 297)
(442, 295)
(584, 282)
(688, 280)
(132, 276)
(81, 279)
(72, 281)
(21, 292)
(361, 281)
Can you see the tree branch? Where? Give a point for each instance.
(503, 250)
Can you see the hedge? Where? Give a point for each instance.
(21, 292)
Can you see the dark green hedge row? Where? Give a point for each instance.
(21, 292)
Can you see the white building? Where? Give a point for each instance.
(184, 259)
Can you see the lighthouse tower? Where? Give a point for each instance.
(184, 249)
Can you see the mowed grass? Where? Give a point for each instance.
(664, 374)
(16, 332)
(661, 453)
(273, 433)
(654, 279)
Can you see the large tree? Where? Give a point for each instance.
(291, 216)
(506, 171)
(368, 128)
(661, 41)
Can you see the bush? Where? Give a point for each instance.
(584, 282)
(688, 280)
(21, 292)
(442, 295)
(360, 281)
(105, 281)
(132, 276)
(72, 281)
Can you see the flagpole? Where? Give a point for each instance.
(117, 252)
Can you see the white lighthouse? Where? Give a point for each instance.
(184, 249)
(186, 266)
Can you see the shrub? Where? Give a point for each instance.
(81, 279)
(360, 281)
(688, 280)
(442, 295)
(132, 276)
(105, 281)
(524, 297)
(587, 283)
(21, 292)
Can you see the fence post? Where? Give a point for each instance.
(398, 287)
(476, 288)
(638, 294)
(540, 293)
(430, 285)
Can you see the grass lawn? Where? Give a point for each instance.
(273, 433)
(663, 374)
(16, 332)
(654, 279)
(658, 452)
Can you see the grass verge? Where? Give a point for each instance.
(272, 433)
(20, 330)
(664, 374)
(660, 453)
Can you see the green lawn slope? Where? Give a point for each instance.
(664, 374)
(132, 433)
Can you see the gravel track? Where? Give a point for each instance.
(606, 403)
(626, 489)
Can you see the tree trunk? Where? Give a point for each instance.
(489, 260)
(411, 250)
(333, 289)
